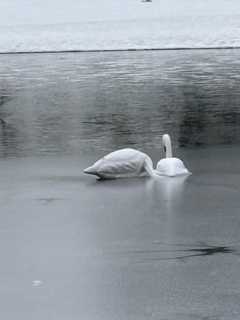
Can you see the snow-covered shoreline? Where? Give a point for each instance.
(166, 33)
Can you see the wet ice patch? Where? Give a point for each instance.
(176, 252)
(48, 200)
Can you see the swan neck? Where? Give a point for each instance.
(167, 145)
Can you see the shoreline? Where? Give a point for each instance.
(119, 50)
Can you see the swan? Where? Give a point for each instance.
(170, 166)
(123, 163)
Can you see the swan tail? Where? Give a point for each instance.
(90, 170)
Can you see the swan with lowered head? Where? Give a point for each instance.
(170, 166)
(123, 163)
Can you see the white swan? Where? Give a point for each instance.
(170, 166)
(123, 163)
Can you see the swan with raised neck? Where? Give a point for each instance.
(170, 166)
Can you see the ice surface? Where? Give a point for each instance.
(43, 12)
(132, 248)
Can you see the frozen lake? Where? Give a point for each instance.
(75, 248)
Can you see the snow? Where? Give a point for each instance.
(42, 12)
(34, 25)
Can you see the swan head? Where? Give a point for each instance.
(167, 145)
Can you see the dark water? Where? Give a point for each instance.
(74, 248)
(71, 102)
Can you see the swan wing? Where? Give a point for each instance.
(127, 154)
(118, 169)
(122, 164)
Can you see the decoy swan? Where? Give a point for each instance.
(170, 166)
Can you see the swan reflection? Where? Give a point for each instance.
(169, 190)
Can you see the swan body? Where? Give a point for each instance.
(170, 166)
(123, 163)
